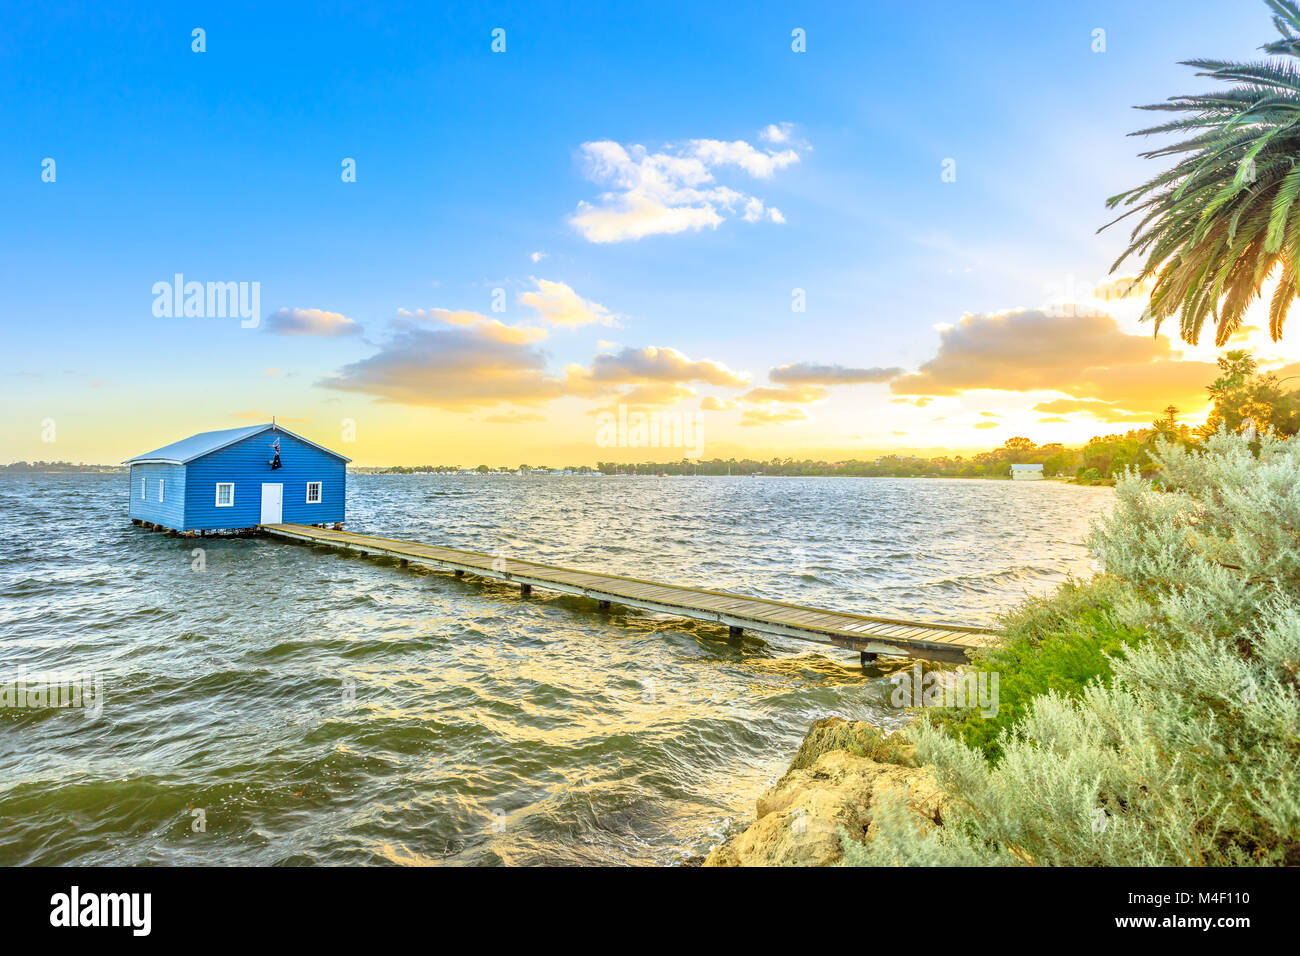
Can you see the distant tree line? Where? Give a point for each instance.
(1244, 401)
(45, 467)
(1102, 454)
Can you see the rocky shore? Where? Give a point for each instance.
(827, 795)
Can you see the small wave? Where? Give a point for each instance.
(328, 710)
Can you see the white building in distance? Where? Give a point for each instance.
(1027, 472)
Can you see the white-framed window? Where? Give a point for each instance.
(225, 494)
(313, 492)
(142, 489)
(161, 483)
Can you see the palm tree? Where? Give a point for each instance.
(1218, 223)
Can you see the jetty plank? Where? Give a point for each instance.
(875, 635)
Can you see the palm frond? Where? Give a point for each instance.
(1213, 226)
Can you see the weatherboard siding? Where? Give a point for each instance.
(170, 512)
(247, 464)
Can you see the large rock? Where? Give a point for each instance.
(855, 737)
(832, 784)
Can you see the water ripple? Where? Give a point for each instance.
(323, 709)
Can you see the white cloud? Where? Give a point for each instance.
(795, 394)
(673, 190)
(810, 373)
(713, 152)
(776, 416)
(711, 403)
(559, 305)
(656, 393)
(489, 328)
(452, 360)
(1082, 355)
(755, 210)
(633, 366)
(460, 360)
(311, 322)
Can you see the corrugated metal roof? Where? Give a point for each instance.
(1022, 467)
(205, 443)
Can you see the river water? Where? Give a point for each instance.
(267, 703)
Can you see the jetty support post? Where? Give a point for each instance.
(868, 658)
(525, 590)
(603, 605)
(460, 573)
(735, 633)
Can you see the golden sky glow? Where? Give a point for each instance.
(458, 387)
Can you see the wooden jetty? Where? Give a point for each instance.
(871, 636)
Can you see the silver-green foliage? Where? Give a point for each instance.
(1190, 756)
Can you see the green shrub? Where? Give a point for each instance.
(1059, 643)
(1191, 754)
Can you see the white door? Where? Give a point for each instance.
(272, 503)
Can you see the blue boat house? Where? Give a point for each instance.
(236, 480)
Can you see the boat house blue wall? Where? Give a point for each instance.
(176, 486)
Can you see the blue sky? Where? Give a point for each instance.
(225, 166)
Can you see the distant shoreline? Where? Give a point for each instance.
(73, 470)
(111, 470)
(1059, 479)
